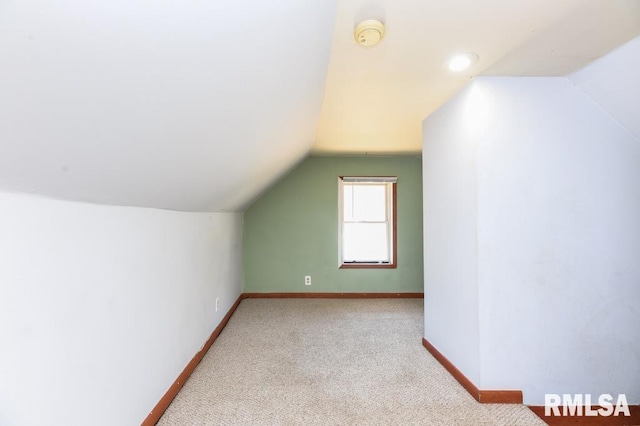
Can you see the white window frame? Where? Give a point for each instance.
(391, 219)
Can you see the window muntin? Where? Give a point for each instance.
(367, 228)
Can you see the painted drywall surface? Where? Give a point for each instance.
(405, 79)
(102, 307)
(450, 249)
(558, 201)
(179, 105)
(612, 82)
(292, 230)
(558, 237)
(569, 41)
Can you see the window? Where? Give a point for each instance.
(367, 222)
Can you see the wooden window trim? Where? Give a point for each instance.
(394, 227)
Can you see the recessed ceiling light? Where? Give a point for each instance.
(369, 33)
(463, 61)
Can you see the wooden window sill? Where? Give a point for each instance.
(368, 266)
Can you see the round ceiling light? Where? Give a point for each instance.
(463, 61)
(369, 33)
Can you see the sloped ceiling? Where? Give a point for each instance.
(187, 105)
(200, 105)
(376, 98)
(613, 82)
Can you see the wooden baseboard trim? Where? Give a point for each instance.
(482, 396)
(500, 396)
(332, 295)
(164, 402)
(634, 419)
(457, 374)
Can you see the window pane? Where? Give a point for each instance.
(369, 202)
(365, 242)
(348, 202)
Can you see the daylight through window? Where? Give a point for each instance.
(367, 207)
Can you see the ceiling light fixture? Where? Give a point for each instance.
(463, 61)
(369, 33)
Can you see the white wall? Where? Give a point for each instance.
(558, 234)
(102, 307)
(450, 248)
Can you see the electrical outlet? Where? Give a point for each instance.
(217, 303)
(307, 280)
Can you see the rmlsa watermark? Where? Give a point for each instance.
(579, 404)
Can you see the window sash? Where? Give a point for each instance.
(389, 222)
(374, 250)
(353, 208)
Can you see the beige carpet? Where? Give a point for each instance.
(329, 362)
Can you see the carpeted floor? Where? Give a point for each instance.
(329, 361)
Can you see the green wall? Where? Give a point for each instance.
(292, 230)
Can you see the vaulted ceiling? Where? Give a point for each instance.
(187, 105)
(376, 98)
(201, 105)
